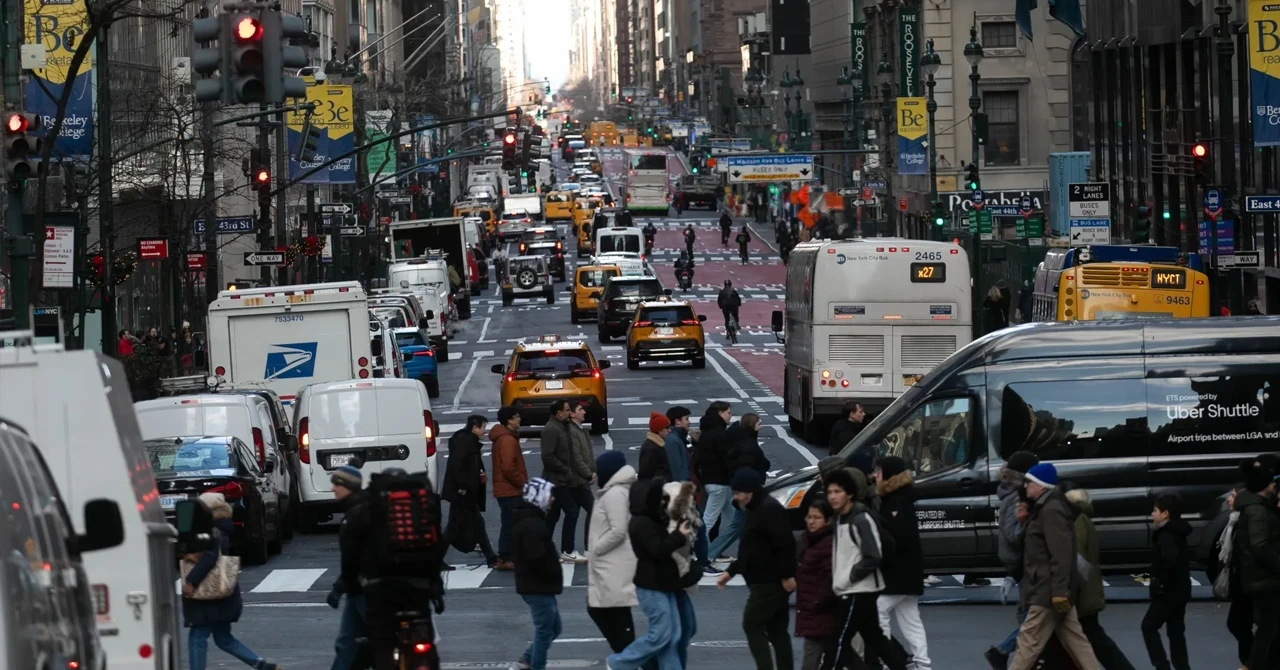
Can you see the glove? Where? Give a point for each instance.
(1063, 605)
(334, 597)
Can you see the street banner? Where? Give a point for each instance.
(908, 52)
(1264, 71)
(423, 141)
(58, 25)
(858, 46)
(913, 132)
(381, 159)
(335, 117)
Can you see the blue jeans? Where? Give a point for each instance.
(719, 501)
(728, 535)
(350, 627)
(660, 642)
(198, 645)
(505, 505)
(1010, 644)
(688, 626)
(546, 627)
(700, 545)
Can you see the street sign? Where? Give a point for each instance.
(59, 256)
(902, 204)
(1226, 236)
(1240, 259)
(337, 208)
(153, 248)
(264, 258)
(978, 198)
(850, 192)
(1090, 231)
(1262, 203)
(1089, 200)
(867, 194)
(351, 231)
(980, 223)
(1024, 204)
(873, 183)
(228, 225)
(1212, 202)
(196, 261)
(401, 200)
(1030, 227)
(778, 167)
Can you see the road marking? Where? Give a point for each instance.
(466, 577)
(638, 421)
(578, 640)
(732, 383)
(457, 398)
(643, 403)
(289, 581)
(608, 442)
(804, 451)
(688, 401)
(482, 354)
(483, 330)
(455, 355)
(566, 569)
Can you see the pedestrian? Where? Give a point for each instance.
(904, 577)
(611, 564)
(856, 576)
(509, 476)
(767, 562)
(676, 445)
(681, 510)
(557, 468)
(1012, 515)
(743, 239)
(539, 578)
(1216, 556)
(583, 465)
(464, 489)
(710, 464)
(124, 344)
(744, 445)
(815, 601)
(1256, 551)
(1092, 597)
(847, 427)
(1170, 585)
(653, 454)
(205, 616)
(726, 224)
(1050, 578)
(347, 484)
(657, 580)
(689, 237)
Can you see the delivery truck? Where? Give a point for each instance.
(445, 236)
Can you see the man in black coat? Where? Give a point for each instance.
(847, 427)
(539, 578)
(904, 575)
(744, 445)
(463, 487)
(710, 466)
(767, 562)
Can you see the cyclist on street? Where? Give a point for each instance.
(743, 239)
(649, 232)
(729, 301)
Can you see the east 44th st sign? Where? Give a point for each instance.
(755, 169)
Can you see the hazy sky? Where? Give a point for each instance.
(546, 38)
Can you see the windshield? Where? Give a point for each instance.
(543, 250)
(594, 278)
(557, 197)
(633, 289)
(394, 317)
(649, 162)
(172, 458)
(410, 339)
(552, 362)
(667, 314)
(616, 243)
(889, 415)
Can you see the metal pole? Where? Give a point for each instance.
(931, 106)
(282, 169)
(22, 247)
(210, 208)
(106, 227)
(264, 196)
(310, 264)
(975, 253)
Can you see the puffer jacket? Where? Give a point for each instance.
(1049, 551)
(509, 471)
(556, 453)
(1009, 539)
(856, 558)
(1171, 562)
(711, 455)
(744, 449)
(652, 543)
(611, 564)
(1257, 544)
(905, 575)
(816, 603)
(582, 462)
(1092, 598)
(537, 563)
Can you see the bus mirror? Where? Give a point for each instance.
(777, 321)
(103, 525)
(375, 347)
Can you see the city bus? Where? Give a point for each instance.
(1119, 282)
(865, 320)
(647, 181)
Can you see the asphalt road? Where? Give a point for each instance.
(486, 625)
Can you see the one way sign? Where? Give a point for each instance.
(264, 258)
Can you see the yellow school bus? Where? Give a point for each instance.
(1119, 282)
(603, 133)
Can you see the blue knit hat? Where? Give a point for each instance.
(348, 477)
(1044, 474)
(608, 464)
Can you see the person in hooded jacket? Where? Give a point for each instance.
(710, 464)
(1170, 585)
(815, 601)
(657, 580)
(539, 578)
(744, 445)
(1091, 599)
(904, 576)
(611, 564)
(1012, 515)
(214, 617)
(1256, 553)
(653, 452)
(464, 483)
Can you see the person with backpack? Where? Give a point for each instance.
(347, 483)
(1092, 598)
(1012, 516)
(1256, 553)
(539, 578)
(861, 548)
(1170, 585)
(904, 577)
(743, 239)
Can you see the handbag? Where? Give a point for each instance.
(219, 583)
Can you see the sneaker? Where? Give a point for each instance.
(724, 559)
(578, 557)
(712, 570)
(997, 659)
(932, 580)
(521, 665)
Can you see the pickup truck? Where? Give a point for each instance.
(699, 189)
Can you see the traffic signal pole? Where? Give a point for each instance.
(20, 245)
(210, 207)
(106, 193)
(264, 194)
(282, 169)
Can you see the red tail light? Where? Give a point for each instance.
(689, 322)
(559, 246)
(511, 376)
(230, 491)
(260, 447)
(219, 371)
(426, 352)
(304, 440)
(422, 647)
(642, 324)
(364, 373)
(429, 431)
(523, 247)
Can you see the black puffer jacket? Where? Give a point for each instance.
(767, 550)
(653, 545)
(904, 576)
(1171, 562)
(1257, 544)
(537, 563)
(744, 449)
(711, 455)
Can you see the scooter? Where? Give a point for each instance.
(684, 278)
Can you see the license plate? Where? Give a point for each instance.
(339, 460)
(666, 331)
(170, 502)
(554, 385)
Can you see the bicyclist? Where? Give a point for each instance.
(743, 239)
(650, 231)
(729, 301)
(726, 224)
(689, 237)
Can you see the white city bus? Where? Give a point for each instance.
(865, 320)
(647, 180)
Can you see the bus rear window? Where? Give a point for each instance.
(649, 162)
(613, 243)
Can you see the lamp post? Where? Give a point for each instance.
(786, 84)
(754, 100)
(884, 75)
(930, 62)
(845, 82)
(973, 54)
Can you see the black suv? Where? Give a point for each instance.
(619, 300)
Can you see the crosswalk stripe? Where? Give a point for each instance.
(289, 581)
(466, 577)
(566, 569)
(638, 421)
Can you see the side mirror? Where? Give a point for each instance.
(103, 525)
(375, 347)
(427, 316)
(498, 369)
(604, 365)
(777, 321)
(269, 467)
(282, 436)
(568, 289)
(666, 291)
(702, 317)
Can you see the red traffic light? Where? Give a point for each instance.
(248, 29)
(509, 139)
(262, 177)
(1199, 150)
(15, 123)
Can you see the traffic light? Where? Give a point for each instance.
(280, 32)
(526, 151)
(509, 149)
(971, 177)
(547, 89)
(20, 148)
(214, 62)
(1200, 163)
(1142, 224)
(247, 60)
(773, 189)
(261, 179)
(308, 142)
(939, 215)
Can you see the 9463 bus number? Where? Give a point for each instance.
(1174, 300)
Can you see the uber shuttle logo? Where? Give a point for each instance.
(289, 361)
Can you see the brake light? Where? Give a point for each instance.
(523, 247)
(219, 371)
(101, 599)
(429, 431)
(304, 440)
(364, 374)
(362, 362)
(260, 447)
(230, 491)
(559, 246)
(426, 352)
(689, 322)
(422, 647)
(642, 324)
(145, 650)
(511, 376)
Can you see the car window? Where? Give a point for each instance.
(177, 458)
(552, 361)
(666, 315)
(557, 197)
(1064, 420)
(594, 278)
(247, 458)
(410, 339)
(636, 289)
(394, 317)
(934, 437)
(614, 243)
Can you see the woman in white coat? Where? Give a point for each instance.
(611, 564)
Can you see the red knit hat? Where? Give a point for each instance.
(658, 422)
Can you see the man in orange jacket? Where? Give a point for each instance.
(509, 476)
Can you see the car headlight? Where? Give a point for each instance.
(790, 497)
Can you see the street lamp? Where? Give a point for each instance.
(930, 63)
(845, 82)
(786, 84)
(973, 54)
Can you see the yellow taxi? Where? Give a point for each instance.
(584, 209)
(666, 329)
(485, 213)
(559, 206)
(552, 368)
(588, 283)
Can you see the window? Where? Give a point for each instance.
(999, 35)
(934, 437)
(1074, 419)
(173, 457)
(667, 315)
(552, 362)
(594, 278)
(1004, 146)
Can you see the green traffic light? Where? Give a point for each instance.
(695, 170)
(973, 186)
(1167, 215)
(939, 221)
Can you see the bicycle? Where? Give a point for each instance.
(731, 330)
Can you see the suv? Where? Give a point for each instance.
(538, 235)
(513, 225)
(619, 300)
(666, 329)
(552, 251)
(526, 277)
(554, 369)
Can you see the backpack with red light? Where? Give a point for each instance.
(405, 524)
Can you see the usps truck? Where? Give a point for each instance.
(285, 337)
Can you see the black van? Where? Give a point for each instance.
(1126, 409)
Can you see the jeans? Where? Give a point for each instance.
(568, 499)
(198, 645)
(1105, 648)
(701, 544)
(546, 627)
(688, 625)
(728, 535)
(660, 641)
(719, 505)
(350, 627)
(1172, 616)
(906, 611)
(505, 505)
(764, 620)
(1010, 644)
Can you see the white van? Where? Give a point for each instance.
(619, 239)
(381, 423)
(243, 416)
(77, 407)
